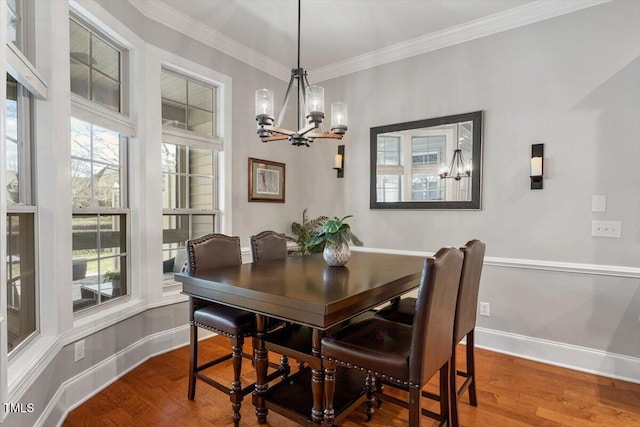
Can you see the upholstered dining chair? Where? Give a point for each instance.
(207, 253)
(268, 245)
(405, 356)
(464, 324)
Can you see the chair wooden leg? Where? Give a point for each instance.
(379, 391)
(236, 387)
(445, 414)
(193, 363)
(284, 367)
(471, 367)
(415, 410)
(453, 390)
(370, 388)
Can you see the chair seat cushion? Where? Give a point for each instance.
(229, 320)
(402, 312)
(375, 344)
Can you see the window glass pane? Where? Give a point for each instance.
(81, 183)
(80, 79)
(95, 66)
(174, 192)
(200, 96)
(202, 224)
(169, 158)
(174, 88)
(175, 231)
(96, 166)
(174, 114)
(200, 162)
(21, 283)
(106, 186)
(14, 24)
(79, 44)
(105, 58)
(201, 192)
(106, 146)
(12, 146)
(99, 259)
(105, 91)
(391, 158)
(200, 121)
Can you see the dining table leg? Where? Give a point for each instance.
(317, 386)
(262, 365)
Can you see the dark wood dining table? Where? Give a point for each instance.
(303, 290)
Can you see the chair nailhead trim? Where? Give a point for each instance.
(349, 365)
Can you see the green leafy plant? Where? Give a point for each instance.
(304, 231)
(335, 231)
(111, 276)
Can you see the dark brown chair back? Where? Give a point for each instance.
(435, 313)
(213, 251)
(467, 306)
(268, 245)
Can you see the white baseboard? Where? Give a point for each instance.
(75, 391)
(569, 356)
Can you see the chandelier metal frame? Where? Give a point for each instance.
(267, 131)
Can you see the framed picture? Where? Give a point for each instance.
(266, 181)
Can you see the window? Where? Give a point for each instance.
(188, 104)
(189, 184)
(22, 316)
(95, 66)
(389, 178)
(99, 184)
(427, 150)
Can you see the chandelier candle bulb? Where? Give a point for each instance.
(339, 117)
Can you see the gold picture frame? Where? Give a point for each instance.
(266, 181)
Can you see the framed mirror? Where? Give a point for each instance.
(427, 164)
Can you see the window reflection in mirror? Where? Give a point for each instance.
(427, 164)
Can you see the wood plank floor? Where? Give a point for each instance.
(512, 392)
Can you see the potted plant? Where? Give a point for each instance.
(336, 235)
(304, 231)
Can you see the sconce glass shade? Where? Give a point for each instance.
(536, 166)
(315, 100)
(264, 103)
(339, 117)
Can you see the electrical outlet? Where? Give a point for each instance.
(485, 309)
(78, 348)
(610, 229)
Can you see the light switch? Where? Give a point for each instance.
(610, 229)
(599, 203)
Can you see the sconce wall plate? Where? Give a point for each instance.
(537, 166)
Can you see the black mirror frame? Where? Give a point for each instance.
(476, 178)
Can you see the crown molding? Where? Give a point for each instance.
(175, 19)
(507, 20)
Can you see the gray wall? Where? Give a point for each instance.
(572, 83)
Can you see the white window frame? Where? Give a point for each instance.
(190, 139)
(119, 122)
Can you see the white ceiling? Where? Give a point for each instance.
(339, 33)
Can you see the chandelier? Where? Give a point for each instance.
(458, 168)
(311, 98)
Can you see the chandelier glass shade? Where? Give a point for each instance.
(311, 98)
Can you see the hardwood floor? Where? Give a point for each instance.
(511, 392)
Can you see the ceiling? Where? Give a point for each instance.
(336, 33)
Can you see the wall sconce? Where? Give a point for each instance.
(338, 161)
(537, 161)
